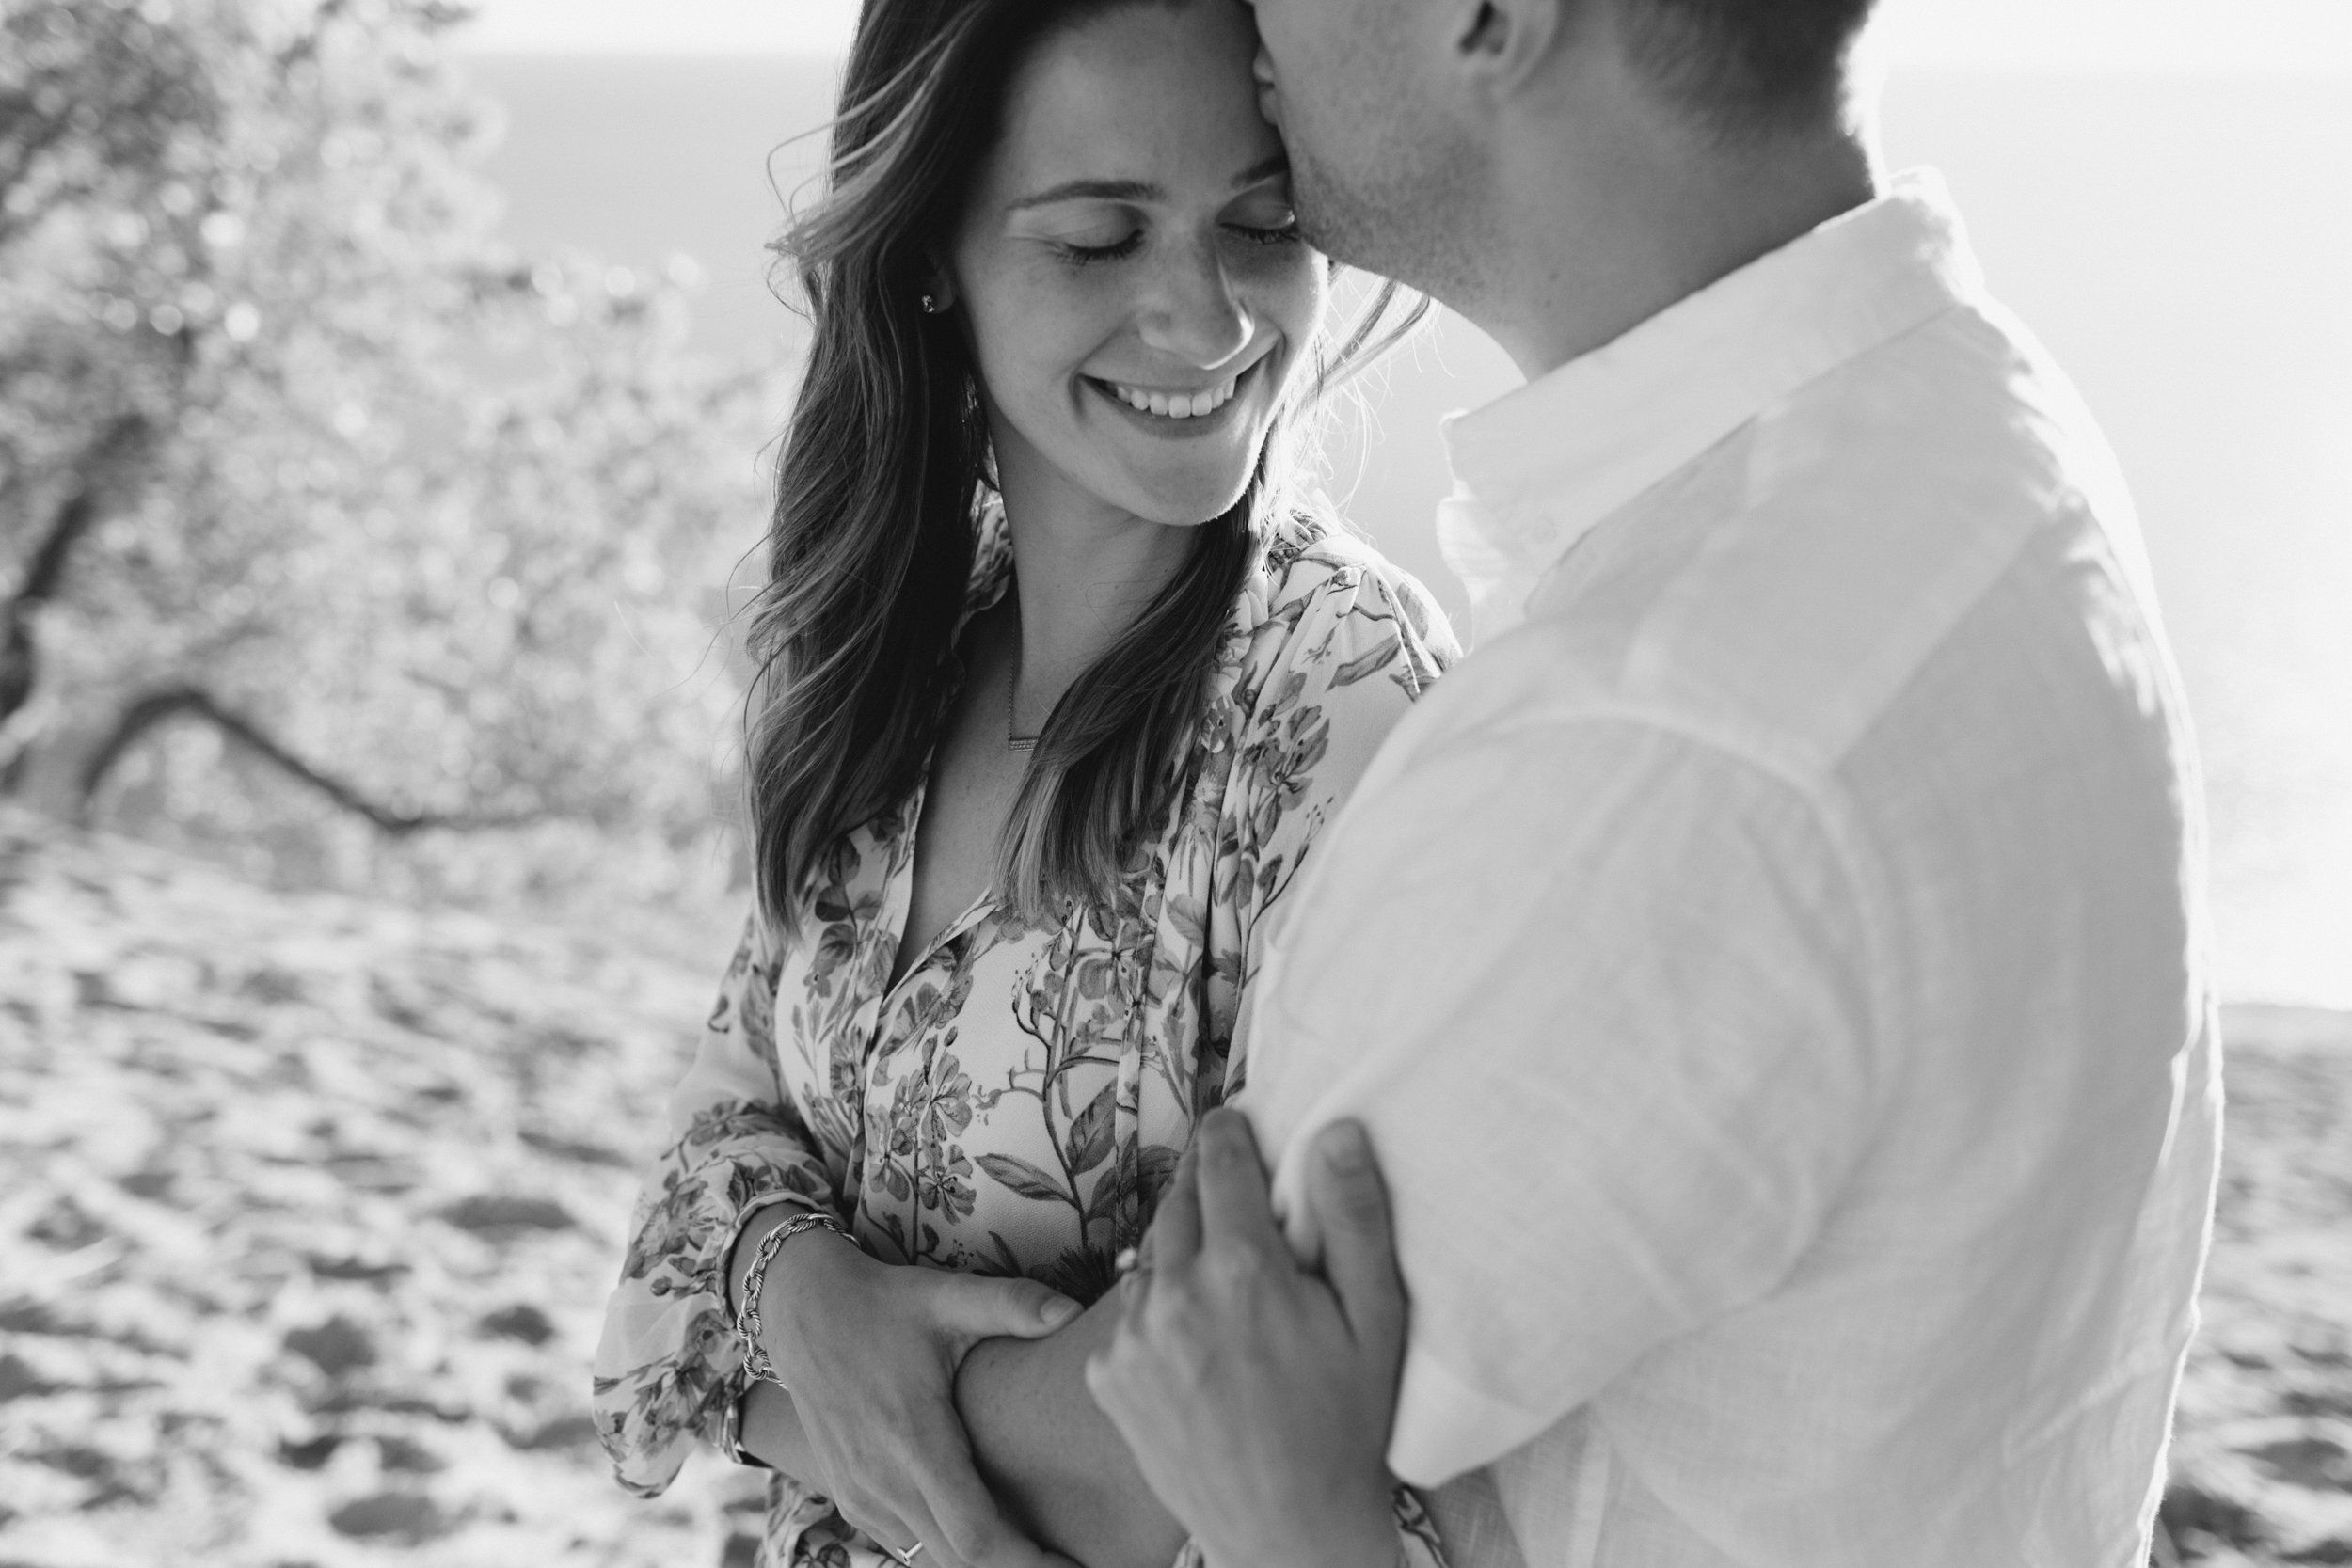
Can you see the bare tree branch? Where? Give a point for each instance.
(46, 570)
(159, 707)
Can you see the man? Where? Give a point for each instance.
(1771, 968)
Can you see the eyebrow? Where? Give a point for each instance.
(1139, 190)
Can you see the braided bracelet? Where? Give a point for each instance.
(756, 1359)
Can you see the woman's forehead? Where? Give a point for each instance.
(1142, 95)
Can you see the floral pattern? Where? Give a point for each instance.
(1015, 1104)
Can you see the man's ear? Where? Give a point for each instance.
(1503, 43)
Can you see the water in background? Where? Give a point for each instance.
(2183, 244)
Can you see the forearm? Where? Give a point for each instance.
(1057, 1465)
(771, 1427)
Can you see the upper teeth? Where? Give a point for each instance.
(1176, 405)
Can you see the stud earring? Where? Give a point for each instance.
(930, 304)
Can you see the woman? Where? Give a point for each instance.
(1061, 687)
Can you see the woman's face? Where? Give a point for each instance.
(1131, 274)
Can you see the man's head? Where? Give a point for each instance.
(1397, 113)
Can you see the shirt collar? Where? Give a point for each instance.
(1535, 469)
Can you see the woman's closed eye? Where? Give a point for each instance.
(1263, 216)
(1285, 232)
(1079, 250)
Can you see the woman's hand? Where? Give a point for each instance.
(870, 1352)
(1257, 1396)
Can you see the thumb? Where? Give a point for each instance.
(974, 1308)
(1352, 1221)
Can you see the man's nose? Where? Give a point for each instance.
(1193, 314)
(1269, 101)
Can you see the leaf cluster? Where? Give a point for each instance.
(450, 524)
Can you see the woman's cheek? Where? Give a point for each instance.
(1290, 295)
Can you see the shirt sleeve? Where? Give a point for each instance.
(668, 1366)
(1359, 645)
(1599, 993)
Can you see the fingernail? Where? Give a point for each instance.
(1344, 1146)
(1058, 1311)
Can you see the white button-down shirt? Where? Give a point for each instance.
(1773, 970)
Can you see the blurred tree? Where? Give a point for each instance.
(295, 457)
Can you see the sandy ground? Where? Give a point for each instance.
(308, 1207)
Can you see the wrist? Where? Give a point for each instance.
(806, 1266)
(761, 1292)
(749, 1230)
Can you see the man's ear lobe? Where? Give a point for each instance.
(1503, 42)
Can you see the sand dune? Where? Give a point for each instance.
(308, 1206)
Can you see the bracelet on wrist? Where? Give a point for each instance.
(756, 1359)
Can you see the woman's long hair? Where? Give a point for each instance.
(886, 461)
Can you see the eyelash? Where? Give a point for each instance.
(1085, 255)
(1082, 255)
(1287, 235)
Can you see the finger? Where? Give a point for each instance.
(1106, 1377)
(879, 1489)
(1235, 1208)
(1175, 1233)
(966, 1526)
(1132, 1288)
(971, 1308)
(875, 1519)
(903, 1522)
(1350, 1203)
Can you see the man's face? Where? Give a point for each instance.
(1381, 167)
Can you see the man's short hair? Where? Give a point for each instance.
(1749, 67)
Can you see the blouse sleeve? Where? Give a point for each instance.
(1349, 644)
(668, 1365)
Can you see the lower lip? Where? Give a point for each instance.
(1211, 423)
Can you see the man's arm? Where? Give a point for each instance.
(1058, 1466)
(1597, 989)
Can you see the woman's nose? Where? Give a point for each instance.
(1193, 314)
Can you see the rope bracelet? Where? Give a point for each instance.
(756, 1359)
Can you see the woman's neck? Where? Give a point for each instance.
(1083, 573)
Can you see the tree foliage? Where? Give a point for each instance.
(321, 513)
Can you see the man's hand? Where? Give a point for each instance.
(1257, 1396)
(870, 1352)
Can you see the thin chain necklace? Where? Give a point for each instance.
(1021, 743)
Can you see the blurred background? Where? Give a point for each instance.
(385, 392)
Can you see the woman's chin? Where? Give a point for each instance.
(1190, 513)
(1186, 500)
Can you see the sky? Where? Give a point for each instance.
(2287, 37)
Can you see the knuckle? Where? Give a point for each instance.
(1223, 1145)
(1361, 1202)
(1232, 1270)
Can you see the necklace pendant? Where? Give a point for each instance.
(1024, 744)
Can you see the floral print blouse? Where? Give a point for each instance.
(1015, 1104)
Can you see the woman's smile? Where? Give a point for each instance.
(1183, 412)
